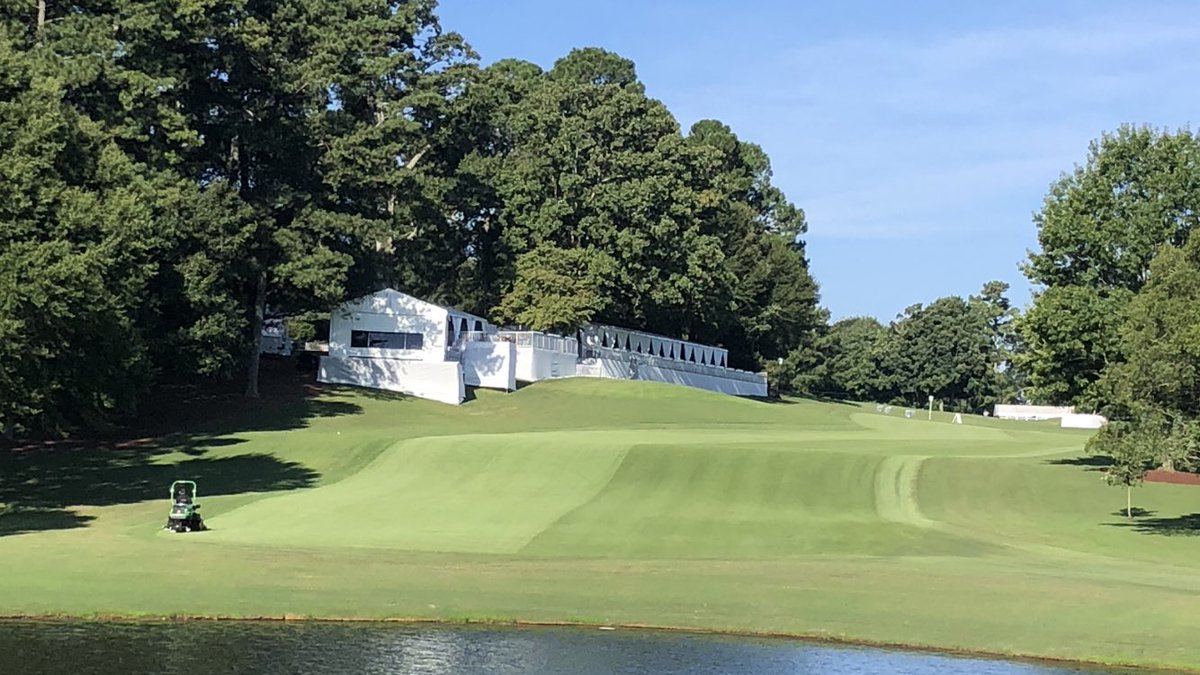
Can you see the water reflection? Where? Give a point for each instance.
(337, 649)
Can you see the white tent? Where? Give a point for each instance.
(394, 341)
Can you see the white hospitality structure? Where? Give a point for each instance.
(1068, 418)
(390, 340)
(1030, 412)
(632, 355)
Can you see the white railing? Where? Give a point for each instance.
(674, 364)
(455, 349)
(594, 336)
(555, 343)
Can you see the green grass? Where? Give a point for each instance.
(625, 502)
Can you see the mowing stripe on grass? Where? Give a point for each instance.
(896, 490)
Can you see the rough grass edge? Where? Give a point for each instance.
(819, 637)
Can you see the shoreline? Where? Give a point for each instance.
(812, 638)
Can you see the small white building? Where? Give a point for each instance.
(393, 341)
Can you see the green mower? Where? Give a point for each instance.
(185, 512)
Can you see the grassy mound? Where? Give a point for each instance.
(617, 502)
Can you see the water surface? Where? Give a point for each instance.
(213, 648)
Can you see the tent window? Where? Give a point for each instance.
(478, 326)
(362, 339)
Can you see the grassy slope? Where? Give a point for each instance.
(622, 502)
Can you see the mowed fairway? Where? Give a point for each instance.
(632, 503)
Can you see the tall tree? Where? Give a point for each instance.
(1156, 389)
(850, 366)
(772, 309)
(579, 158)
(311, 113)
(1001, 319)
(86, 213)
(1098, 230)
(455, 253)
(950, 350)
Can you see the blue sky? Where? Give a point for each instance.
(919, 137)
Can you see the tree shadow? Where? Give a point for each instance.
(1135, 512)
(1179, 526)
(832, 400)
(40, 482)
(1089, 462)
(20, 521)
(367, 392)
(40, 486)
(771, 400)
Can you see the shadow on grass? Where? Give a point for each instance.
(19, 521)
(1135, 512)
(772, 400)
(38, 486)
(41, 481)
(1180, 526)
(1089, 462)
(366, 392)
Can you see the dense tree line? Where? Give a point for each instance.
(169, 172)
(960, 351)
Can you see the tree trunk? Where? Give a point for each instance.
(1128, 502)
(256, 326)
(41, 15)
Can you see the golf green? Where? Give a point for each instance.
(619, 503)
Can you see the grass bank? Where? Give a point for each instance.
(617, 503)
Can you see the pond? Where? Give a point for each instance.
(212, 648)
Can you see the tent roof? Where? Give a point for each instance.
(395, 293)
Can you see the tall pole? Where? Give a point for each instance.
(931, 407)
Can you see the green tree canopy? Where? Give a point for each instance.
(87, 211)
(851, 366)
(557, 289)
(1156, 389)
(1098, 230)
(579, 158)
